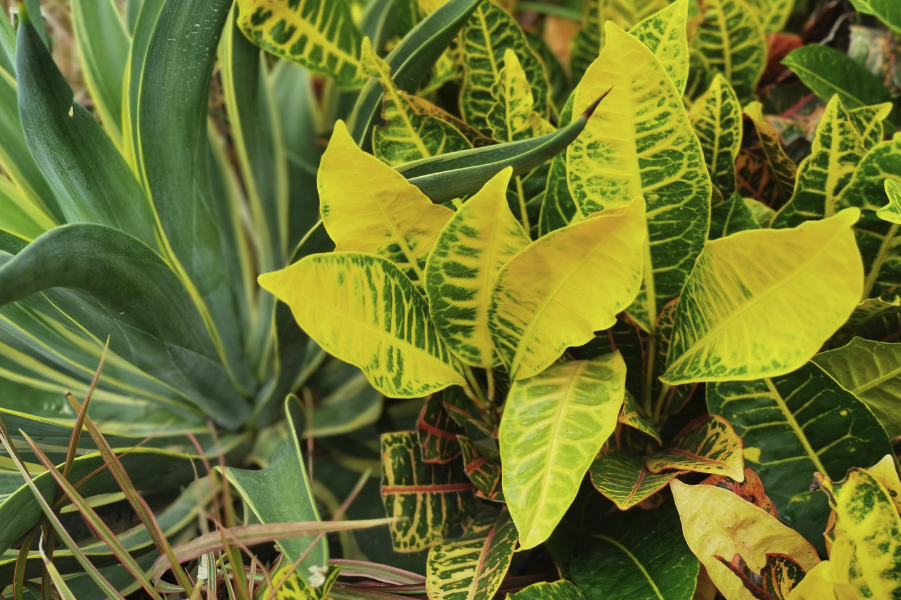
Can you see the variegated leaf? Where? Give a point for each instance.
(291, 586)
(874, 319)
(558, 209)
(781, 574)
(317, 34)
(730, 217)
(363, 310)
(553, 426)
(836, 151)
(716, 119)
(624, 478)
(869, 122)
(773, 14)
(410, 133)
(482, 470)
(610, 163)
(711, 446)
(633, 416)
(427, 500)
(437, 432)
(486, 36)
(891, 212)
(368, 207)
(781, 167)
(480, 238)
(762, 303)
(473, 566)
(731, 40)
(664, 33)
(565, 286)
(558, 590)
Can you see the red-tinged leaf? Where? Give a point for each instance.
(437, 432)
(709, 445)
(776, 580)
(752, 581)
(624, 478)
(751, 489)
(483, 471)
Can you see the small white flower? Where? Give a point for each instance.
(317, 576)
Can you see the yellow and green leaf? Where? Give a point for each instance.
(665, 34)
(512, 117)
(427, 500)
(891, 212)
(773, 14)
(480, 238)
(486, 36)
(410, 133)
(781, 166)
(557, 590)
(484, 471)
(553, 426)
(762, 303)
(711, 446)
(730, 217)
(558, 209)
(317, 34)
(633, 415)
(363, 310)
(369, 207)
(437, 432)
(611, 163)
(716, 522)
(869, 122)
(624, 478)
(289, 585)
(565, 286)
(716, 119)
(473, 566)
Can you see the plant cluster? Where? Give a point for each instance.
(450, 299)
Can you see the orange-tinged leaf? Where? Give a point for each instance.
(711, 446)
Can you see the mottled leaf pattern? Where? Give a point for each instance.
(565, 286)
(773, 13)
(730, 217)
(781, 167)
(317, 34)
(552, 428)
(711, 446)
(428, 500)
(639, 142)
(557, 590)
(633, 416)
(761, 303)
(291, 586)
(874, 319)
(336, 296)
(624, 478)
(664, 33)
(891, 212)
(368, 207)
(437, 432)
(480, 238)
(716, 119)
(482, 470)
(558, 209)
(512, 116)
(473, 566)
(781, 575)
(868, 120)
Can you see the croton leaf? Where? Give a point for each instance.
(869, 122)
(773, 14)
(336, 296)
(872, 372)
(751, 489)
(891, 212)
(437, 432)
(410, 133)
(633, 414)
(716, 119)
(565, 286)
(473, 566)
(610, 163)
(716, 522)
(368, 207)
(428, 500)
(762, 303)
(637, 556)
(624, 478)
(484, 471)
(558, 209)
(665, 34)
(553, 426)
(774, 582)
(887, 11)
(317, 34)
(557, 590)
(837, 150)
(512, 116)
(793, 426)
(711, 446)
(486, 36)
(731, 40)
(480, 238)
(783, 169)
(730, 217)
(290, 585)
(873, 319)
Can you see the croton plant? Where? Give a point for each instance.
(456, 299)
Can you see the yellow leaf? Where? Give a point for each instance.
(717, 522)
(565, 286)
(369, 207)
(364, 311)
(892, 211)
(762, 303)
(478, 240)
(712, 447)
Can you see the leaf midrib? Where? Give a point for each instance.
(619, 546)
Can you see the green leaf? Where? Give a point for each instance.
(553, 426)
(473, 566)
(623, 478)
(665, 34)
(886, 11)
(783, 169)
(873, 319)
(438, 432)
(731, 40)
(827, 71)
(103, 45)
(557, 590)
(336, 296)
(637, 556)
(317, 34)
(730, 217)
(558, 208)
(868, 120)
(19, 216)
(281, 493)
(750, 311)
(610, 163)
(716, 119)
(562, 288)
(793, 426)
(836, 152)
(774, 14)
(633, 414)
(711, 446)
(512, 116)
(354, 186)
(127, 292)
(891, 212)
(486, 36)
(870, 371)
(483, 471)
(429, 500)
(480, 238)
